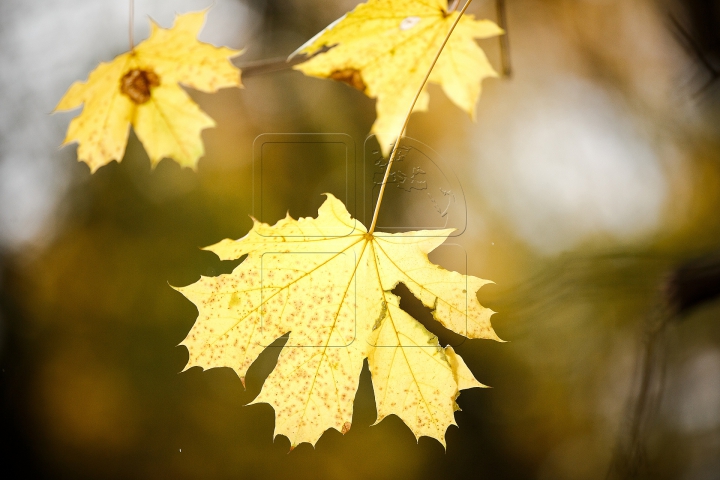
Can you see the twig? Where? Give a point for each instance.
(261, 67)
(277, 64)
(504, 39)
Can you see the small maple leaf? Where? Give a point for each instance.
(328, 282)
(385, 47)
(140, 88)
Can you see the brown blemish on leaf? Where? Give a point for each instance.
(383, 312)
(345, 428)
(405, 43)
(137, 84)
(350, 76)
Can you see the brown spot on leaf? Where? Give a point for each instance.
(137, 84)
(383, 312)
(350, 76)
(346, 428)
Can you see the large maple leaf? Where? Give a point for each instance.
(328, 282)
(140, 87)
(385, 47)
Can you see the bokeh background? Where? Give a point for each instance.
(590, 178)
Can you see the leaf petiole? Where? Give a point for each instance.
(393, 153)
(131, 31)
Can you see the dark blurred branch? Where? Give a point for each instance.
(277, 64)
(693, 284)
(688, 286)
(699, 35)
(695, 50)
(629, 459)
(271, 65)
(504, 39)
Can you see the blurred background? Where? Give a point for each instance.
(590, 195)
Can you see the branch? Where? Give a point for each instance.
(270, 65)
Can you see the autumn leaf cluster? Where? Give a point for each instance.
(326, 282)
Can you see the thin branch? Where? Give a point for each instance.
(277, 64)
(504, 39)
(261, 67)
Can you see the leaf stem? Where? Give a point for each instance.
(393, 153)
(131, 25)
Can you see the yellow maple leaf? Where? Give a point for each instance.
(385, 47)
(328, 282)
(140, 88)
